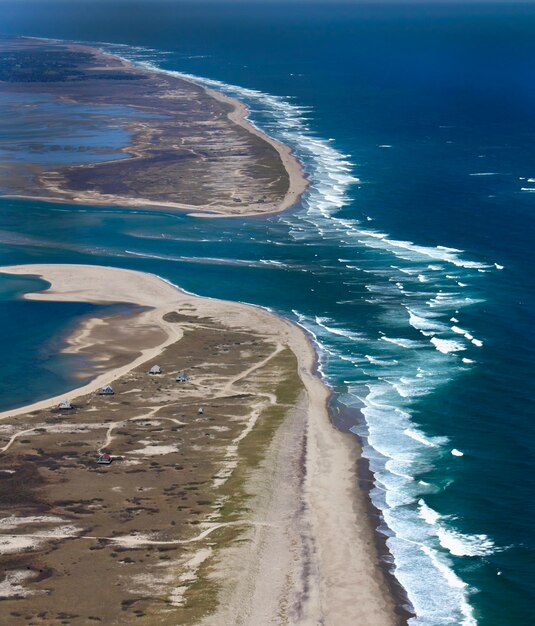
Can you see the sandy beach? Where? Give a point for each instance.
(298, 182)
(305, 550)
(189, 149)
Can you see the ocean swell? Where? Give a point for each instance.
(408, 351)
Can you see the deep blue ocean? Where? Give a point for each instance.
(410, 259)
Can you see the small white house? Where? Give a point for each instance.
(155, 369)
(106, 391)
(64, 405)
(182, 377)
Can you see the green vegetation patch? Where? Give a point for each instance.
(201, 598)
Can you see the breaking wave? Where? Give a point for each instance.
(414, 292)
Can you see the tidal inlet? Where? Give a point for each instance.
(261, 329)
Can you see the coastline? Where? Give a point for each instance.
(56, 187)
(298, 181)
(296, 174)
(415, 147)
(345, 580)
(342, 418)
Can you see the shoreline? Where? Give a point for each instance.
(346, 575)
(342, 417)
(150, 316)
(298, 181)
(296, 174)
(140, 144)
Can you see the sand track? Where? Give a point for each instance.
(326, 549)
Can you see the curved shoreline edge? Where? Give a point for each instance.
(239, 115)
(350, 582)
(298, 182)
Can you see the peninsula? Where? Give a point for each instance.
(230, 498)
(106, 132)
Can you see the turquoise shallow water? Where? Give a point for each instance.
(33, 336)
(409, 261)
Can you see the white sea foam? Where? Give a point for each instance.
(410, 387)
(447, 345)
(460, 331)
(427, 325)
(341, 332)
(485, 174)
(451, 539)
(208, 260)
(272, 262)
(401, 342)
(451, 301)
(460, 544)
(429, 515)
(375, 361)
(396, 448)
(417, 435)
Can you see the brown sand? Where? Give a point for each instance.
(298, 181)
(309, 554)
(198, 153)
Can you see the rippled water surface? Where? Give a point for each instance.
(408, 260)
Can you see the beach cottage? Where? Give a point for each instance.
(155, 369)
(106, 391)
(65, 405)
(104, 459)
(182, 377)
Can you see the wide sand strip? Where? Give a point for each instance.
(191, 149)
(338, 575)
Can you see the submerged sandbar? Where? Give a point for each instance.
(190, 148)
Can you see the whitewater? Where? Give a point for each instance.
(417, 344)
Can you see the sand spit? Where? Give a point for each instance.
(190, 149)
(298, 182)
(306, 552)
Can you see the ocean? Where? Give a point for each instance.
(409, 261)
